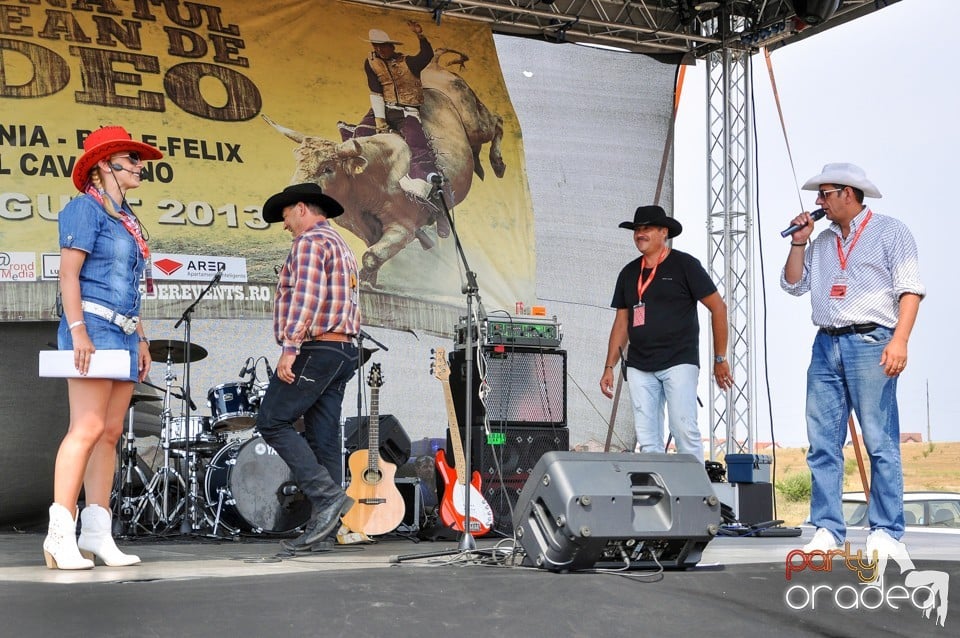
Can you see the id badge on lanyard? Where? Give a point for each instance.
(639, 315)
(838, 290)
(640, 310)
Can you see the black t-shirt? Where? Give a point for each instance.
(671, 332)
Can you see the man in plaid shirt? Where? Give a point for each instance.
(315, 319)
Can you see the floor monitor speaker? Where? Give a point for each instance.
(581, 510)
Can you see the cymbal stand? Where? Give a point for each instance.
(125, 501)
(157, 492)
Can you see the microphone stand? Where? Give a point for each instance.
(471, 290)
(466, 542)
(186, 525)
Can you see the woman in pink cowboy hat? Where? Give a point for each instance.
(103, 254)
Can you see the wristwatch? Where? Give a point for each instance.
(719, 358)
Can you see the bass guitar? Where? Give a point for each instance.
(455, 485)
(378, 506)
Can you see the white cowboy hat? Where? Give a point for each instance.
(843, 174)
(376, 36)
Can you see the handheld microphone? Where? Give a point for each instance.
(814, 216)
(216, 278)
(244, 371)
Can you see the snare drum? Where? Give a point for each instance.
(230, 406)
(253, 489)
(201, 433)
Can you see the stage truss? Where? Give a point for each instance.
(642, 26)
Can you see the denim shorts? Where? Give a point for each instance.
(105, 336)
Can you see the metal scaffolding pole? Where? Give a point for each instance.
(730, 176)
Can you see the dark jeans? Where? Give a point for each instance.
(322, 370)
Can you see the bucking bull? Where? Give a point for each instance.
(363, 173)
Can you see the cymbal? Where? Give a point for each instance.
(177, 351)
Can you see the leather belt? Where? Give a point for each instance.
(127, 324)
(333, 336)
(857, 328)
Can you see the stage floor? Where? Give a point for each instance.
(191, 586)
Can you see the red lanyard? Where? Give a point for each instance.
(643, 285)
(853, 242)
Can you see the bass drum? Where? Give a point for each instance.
(254, 489)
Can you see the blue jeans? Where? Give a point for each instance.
(845, 374)
(322, 370)
(675, 388)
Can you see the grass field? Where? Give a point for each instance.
(926, 466)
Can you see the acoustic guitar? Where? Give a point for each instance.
(453, 506)
(379, 506)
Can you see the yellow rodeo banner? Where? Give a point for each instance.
(243, 100)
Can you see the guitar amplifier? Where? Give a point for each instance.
(528, 387)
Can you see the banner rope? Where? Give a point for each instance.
(783, 125)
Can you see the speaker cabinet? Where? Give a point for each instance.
(753, 502)
(394, 441)
(528, 386)
(584, 509)
(505, 467)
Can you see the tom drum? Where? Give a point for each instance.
(230, 407)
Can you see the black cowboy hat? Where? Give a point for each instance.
(308, 193)
(654, 216)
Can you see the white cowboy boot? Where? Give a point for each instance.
(96, 538)
(60, 546)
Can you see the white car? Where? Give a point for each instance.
(932, 511)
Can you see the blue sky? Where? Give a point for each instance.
(879, 92)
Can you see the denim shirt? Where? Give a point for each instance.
(110, 274)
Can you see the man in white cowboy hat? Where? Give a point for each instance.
(396, 95)
(863, 278)
(656, 313)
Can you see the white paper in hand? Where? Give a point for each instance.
(104, 364)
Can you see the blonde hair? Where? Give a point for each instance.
(107, 200)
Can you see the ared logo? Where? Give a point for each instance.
(168, 266)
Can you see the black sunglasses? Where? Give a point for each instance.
(133, 156)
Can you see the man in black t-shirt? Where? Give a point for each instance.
(656, 313)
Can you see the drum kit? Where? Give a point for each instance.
(217, 476)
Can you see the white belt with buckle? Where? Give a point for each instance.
(127, 324)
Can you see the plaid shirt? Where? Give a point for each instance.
(318, 290)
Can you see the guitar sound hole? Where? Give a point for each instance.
(372, 476)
